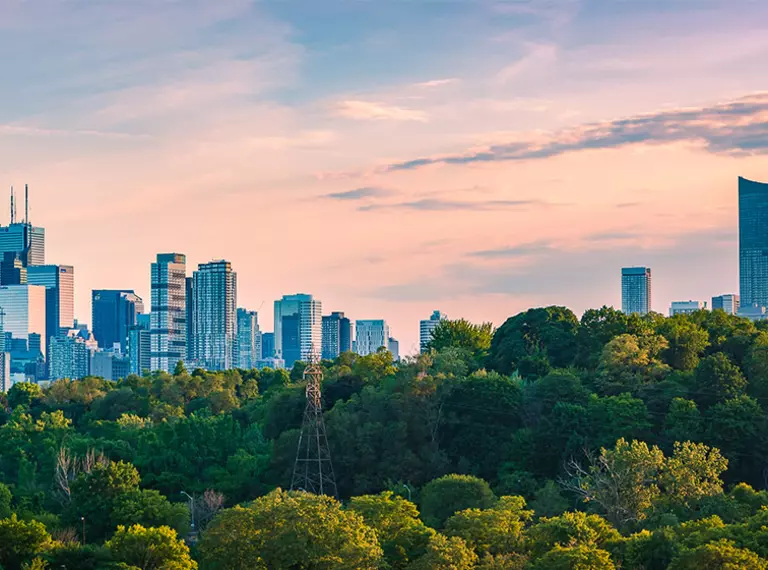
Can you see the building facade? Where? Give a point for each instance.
(371, 335)
(168, 332)
(298, 328)
(753, 243)
(113, 312)
(728, 303)
(686, 307)
(26, 240)
(267, 345)
(68, 356)
(215, 315)
(24, 316)
(139, 346)
(248, 339)
(59, 283)
(393, 345)
(426, 327)
(636, 290)
(337, 335)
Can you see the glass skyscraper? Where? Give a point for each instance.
(139, 345)
(113, 312)
(24, 239)
(426, 327)
(371, 335)
(337, 335)
(248, 339)
(753, 243)
(59, 283)
(24, 314)
(636, 290)
(298, 328)
(215, 315)
(168, 332)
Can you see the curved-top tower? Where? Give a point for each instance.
(753, 243)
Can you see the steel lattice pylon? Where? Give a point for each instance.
(313, 470)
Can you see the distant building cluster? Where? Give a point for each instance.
(193, 319)
(752, 300)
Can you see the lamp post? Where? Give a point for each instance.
(82, 520)
(407, 488)
(191, 508)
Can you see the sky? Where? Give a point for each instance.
(394, 157)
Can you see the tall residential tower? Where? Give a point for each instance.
(753, 243)
(168, 329)
(636, 290)
(298, 328)
(214, 332)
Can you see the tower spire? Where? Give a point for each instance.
(26, 204)
(313, 470)
(11, 203)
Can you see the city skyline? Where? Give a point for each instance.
(545, 142)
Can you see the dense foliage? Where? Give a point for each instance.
(612, 441)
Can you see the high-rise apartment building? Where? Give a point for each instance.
(686, 307)
(298, 328)
(636, 290)
(753, 243)
(267, 345)
(728, 303)
(393, 345)
(113, 313)
(337, 335)
(248, 346)
(215, 315)
(24, 320)
(59, 283)
(427, 326)
(69, 356)
(139, 345)
(371, 335)
(168, 333)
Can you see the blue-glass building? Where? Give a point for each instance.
(113, 312)
(753, 243)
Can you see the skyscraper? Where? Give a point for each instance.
(753, 243)
(337, 335)
(168, 333)
(248, 339)
(371, 335)
(267, 345)
(393, 346)
(68, 356)
(22, 237)
(728, 303)
(215, 315)
(24, 308)
(139, 345)
(12, 269)
(298, 328)
(636, 290)
(59, 283)
(427, 326)
(113, 312)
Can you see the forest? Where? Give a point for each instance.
(552, 442)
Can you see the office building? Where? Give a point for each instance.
(69, 355)
(109, 365)
(113, 312)
(12, 269)
(337, 335)
(168, 332)
(59, 283)
(753, 312)
(5, 358)
(271, 362)
(686, 307)
(215, 315)
(248, 339)
(371, 335)
(728, 303)
(139, 345)
(23, 238)
(267, 345)
(298, 328)
(393, 345)
(191, 315)
(636, 290)
(753, 243)
(427, 326)
(24, 320)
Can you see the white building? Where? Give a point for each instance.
(427, 326)
(298, 328)
(371, 335)
(168, 328)
(729, 303)
(686, 307)
(214, 331)
(248, 339)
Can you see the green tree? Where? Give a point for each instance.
(24, 394)
(720, 555)
(579, 557)
(290, 530)
(683, 421)
(446, 554)
(693, 472)
(449, 494)
(736, 426)
(180, 369)
(686, 342)
(629, 362)
(150, 548)
(597, 328)
(149, 508)
(5, 501)
(20, 541)
(717, 379)
(497, 530)
(571, 528)
(472, 340)
(402, 535)
(549, 500)
(756, 368)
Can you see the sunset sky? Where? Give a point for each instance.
(390, 157)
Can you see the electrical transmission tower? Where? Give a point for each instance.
(313, 471)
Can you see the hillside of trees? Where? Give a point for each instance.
(612, 441)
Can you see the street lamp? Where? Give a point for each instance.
(191, 508)
(407, 488)
(82, 520)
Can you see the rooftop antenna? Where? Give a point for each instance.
(11, 204)
(26, 204)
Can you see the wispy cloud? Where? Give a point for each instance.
(438, 205)
(437, 83)
(737, 127)
(19, 130)
(520, 250)
(538, 55)
(360, 193)
(372, 111)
